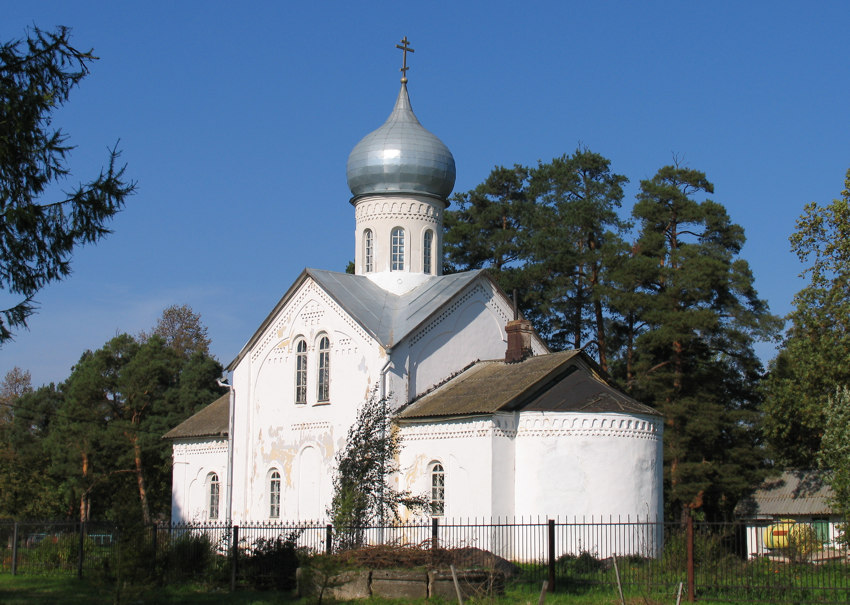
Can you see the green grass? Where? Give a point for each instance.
(44, 590)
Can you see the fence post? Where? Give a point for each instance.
(235, 554)
(551, 555)
(81, 550)
(15, 549)
(435, 533)
(155, 531)
(329, 539)
(690, 540)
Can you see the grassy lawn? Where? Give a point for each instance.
(44, 590)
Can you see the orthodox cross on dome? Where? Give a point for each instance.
(405, 49)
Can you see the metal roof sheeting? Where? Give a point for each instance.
(386, 316)
(794, 492)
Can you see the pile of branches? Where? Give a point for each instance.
(388, 556)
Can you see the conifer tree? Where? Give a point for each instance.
(573, 239)
(38, 234)
(695, 361)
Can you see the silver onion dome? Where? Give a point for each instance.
(401, 157)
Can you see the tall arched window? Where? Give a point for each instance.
(301, 372)
(274, 495)
(438, 490)
(324, 378)
(214, 489)
(397, 249)
(367, 252)
(427, 246)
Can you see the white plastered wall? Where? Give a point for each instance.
(464, 447)
(193, 461)
(470, 328)
(580, 465)
(299, 440)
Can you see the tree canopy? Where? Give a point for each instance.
(39, 229)
(672, 315)
(92, 447)
(815, 356)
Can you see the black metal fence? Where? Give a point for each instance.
(728, 562)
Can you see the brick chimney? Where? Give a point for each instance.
(519, 340)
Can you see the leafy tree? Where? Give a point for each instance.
(695, 361)
(38, 235)
(363, 492)
(573, 240)
(834, 454)
(815, 358)
(14, 385)
(182, 330)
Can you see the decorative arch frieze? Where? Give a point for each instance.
(553, 425)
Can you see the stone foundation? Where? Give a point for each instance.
(404, 584)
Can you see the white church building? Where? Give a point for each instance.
(492, 424)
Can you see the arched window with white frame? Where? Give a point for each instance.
(301, 371)
(397, 249)
(274, 494)
(438, 490)
(368, 252)
(213, 496)
(427, 248)
(323, 382)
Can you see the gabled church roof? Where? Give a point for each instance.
(387, 317)
(557, 382)
(211, 421)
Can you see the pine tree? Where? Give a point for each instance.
(695, 361)
(573, 239)
(38, 235)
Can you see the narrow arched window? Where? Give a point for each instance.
(324, 378)
(427, 246)
(274, 495)
(213, 495)
(438, 490)
(301, 372)
(367, 252)
(397, 250)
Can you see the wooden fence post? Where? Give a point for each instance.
(551, 555)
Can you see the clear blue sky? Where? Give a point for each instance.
(236, 119)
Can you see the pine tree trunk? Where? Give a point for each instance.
(140, 478)
(84, 498)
